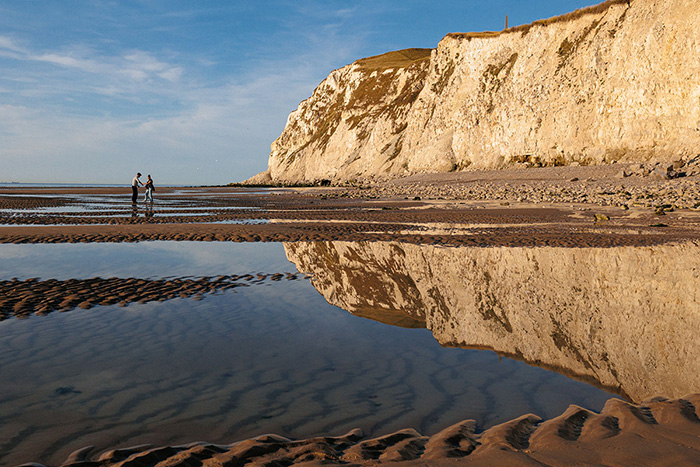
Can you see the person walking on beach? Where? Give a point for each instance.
(135, 188)
(149, 190)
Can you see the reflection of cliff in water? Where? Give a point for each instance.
(628, 318)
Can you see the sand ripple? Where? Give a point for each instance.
(32, 296)
(657, 432)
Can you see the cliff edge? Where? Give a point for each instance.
(617, 81)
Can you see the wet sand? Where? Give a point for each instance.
(452, 210)
(658, 432)
(20, 299)
(228, 214)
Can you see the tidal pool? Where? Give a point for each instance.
(107, 207)
(269, 356)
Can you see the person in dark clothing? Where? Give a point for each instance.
(135, 188)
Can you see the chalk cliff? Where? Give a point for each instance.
(618, 81)
(627, 317)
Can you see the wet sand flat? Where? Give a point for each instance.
(578, 209)
(227, 357)
(662, 432)
(225, 214)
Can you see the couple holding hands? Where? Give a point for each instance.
(135, 188)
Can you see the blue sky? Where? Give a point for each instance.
(192, 92)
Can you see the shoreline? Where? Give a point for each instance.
(611, 200)
(516, 208)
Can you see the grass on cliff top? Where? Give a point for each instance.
(397, 59)
(525, 28)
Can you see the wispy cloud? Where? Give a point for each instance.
(211, 133)
(194, 117)
(8, 43)
(9, 48)
(143, 66)
(83, 70)
(90, 66)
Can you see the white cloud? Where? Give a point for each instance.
(221, 134)
(8, 44)
(144, 66)
(80, 70)
(84, 115)
(90, 66)
(234, 123)
(171, 74)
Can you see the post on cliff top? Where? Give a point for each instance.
(506, 21)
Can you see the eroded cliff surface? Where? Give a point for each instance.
(627, 318)
(353, 122)
(614, 82)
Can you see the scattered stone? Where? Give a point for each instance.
(659, 174)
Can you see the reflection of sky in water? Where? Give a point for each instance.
(242, 221)
(241, 191)
(125, 208)
(267, 358)
(144, 260)
(85, 204)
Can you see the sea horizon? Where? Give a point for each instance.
(82, 185)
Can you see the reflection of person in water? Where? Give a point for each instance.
(149, 190)
(149, 210)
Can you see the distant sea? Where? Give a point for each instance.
(59, 185)
(70, 185)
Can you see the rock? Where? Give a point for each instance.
(263, 178)
(659, 173)
(589, 86)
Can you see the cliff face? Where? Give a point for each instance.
(627, 318)
(613, 82)
(353, 122)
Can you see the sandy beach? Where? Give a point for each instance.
(659, 432)
(463, 235)
(572, 207)
(563, 206)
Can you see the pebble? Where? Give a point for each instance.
(647, 185)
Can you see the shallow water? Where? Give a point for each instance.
(186, 204)
(271, 356)
(147, 260)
